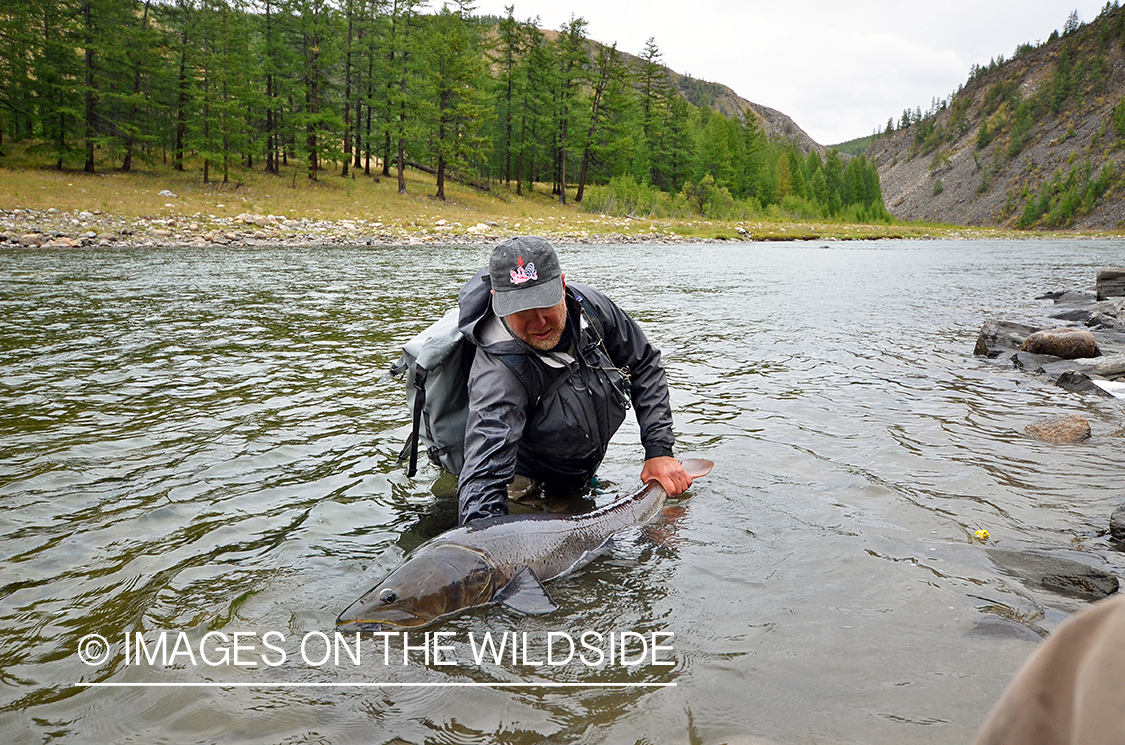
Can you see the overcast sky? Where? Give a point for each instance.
(839, 68)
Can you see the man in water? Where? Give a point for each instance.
(555, 369)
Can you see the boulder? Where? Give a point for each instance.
(1067, 343)
(1117, 523)
(1072, 380)
(1056, 574)
(1111, 282)
(61, 242)
(1104, 321)
(998, 337)
(1032, 363)
(1108, 368)
(1060, 429)
(1076, 297)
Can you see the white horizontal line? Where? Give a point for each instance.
(375, 685)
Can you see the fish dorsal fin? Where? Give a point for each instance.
(525, 593)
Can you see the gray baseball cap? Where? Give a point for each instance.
(525, 274)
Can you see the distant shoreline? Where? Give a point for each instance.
(69, 209)
(28, 228)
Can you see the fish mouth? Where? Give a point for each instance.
(380, 619)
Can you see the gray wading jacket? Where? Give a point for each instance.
(550, 416)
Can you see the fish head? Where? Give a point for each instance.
(434, 582)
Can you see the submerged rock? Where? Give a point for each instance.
(995, 627)
(1056, 574)
(1060, 429)
(1066, 343)
(1111, 282)
(1117, 523)
(1032, 362)
(1080, 382)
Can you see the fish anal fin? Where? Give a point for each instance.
(526, 594)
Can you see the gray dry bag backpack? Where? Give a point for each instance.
(436, 363)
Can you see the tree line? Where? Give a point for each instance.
(379, 86)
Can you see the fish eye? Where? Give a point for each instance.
(387, 595)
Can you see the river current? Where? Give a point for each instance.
(197, 447)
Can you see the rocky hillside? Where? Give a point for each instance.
(724, 100)
(1035, 141)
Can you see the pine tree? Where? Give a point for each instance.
(536, 83)
(507, 54)
(572, 59)
(455, 66)
(608, 105)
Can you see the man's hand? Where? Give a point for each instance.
(669, 472)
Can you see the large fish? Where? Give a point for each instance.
(500, 560)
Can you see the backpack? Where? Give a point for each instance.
(436, 364)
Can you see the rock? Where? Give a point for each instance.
(1111, 282)
(1067, 343)
(61, 242)
(1076, 297)
(1032, 362)
(996, 627)
(1060, 429)
(1056, 574)
(1110, 367)
(1082, 314)
(1072, 380)
(1111, 342)
(998, 337)
(1104, 321)
(169, 194)
(1117, 523)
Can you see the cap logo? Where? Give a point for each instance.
(523, 274)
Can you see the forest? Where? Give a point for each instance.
(373, 87)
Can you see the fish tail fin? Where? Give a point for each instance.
(697, 467)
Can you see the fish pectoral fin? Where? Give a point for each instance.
(526, 594)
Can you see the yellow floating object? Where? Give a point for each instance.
(981, 535)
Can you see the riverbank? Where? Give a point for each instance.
(74, 209)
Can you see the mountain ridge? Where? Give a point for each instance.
(725, 100)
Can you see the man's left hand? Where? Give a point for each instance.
(669, 472)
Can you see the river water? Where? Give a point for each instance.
(198, 443)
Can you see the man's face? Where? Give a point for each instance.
(539, 328)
